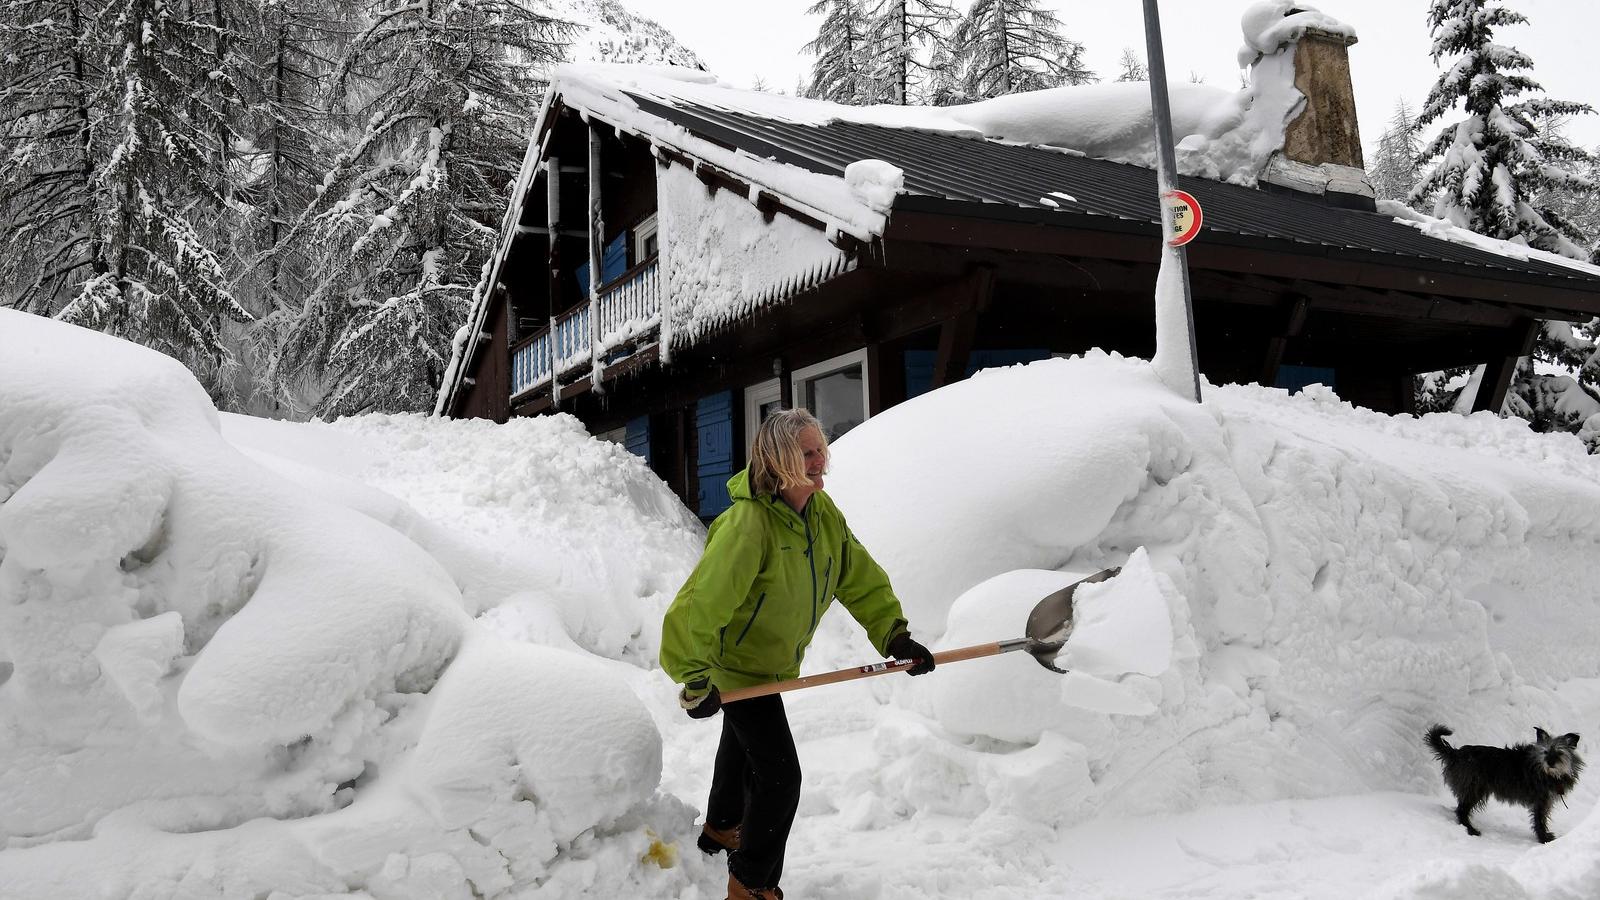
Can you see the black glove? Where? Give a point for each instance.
(903, 647)
(703, 707)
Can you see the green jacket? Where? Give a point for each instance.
(749, 609)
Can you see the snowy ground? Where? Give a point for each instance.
(396, 657)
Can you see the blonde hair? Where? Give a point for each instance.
(777, 461)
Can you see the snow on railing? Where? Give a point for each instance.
(530, 364)
(630, 307)
(572, 338)
(627, 309)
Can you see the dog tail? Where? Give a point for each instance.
(1436, 741)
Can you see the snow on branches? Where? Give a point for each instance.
(1009, 46)
(1493, 165)
(438, 95)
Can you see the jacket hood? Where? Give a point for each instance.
(739, 486)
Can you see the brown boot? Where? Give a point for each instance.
(737, 891)
(716, 840)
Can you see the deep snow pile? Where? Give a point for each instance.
(216, 682)
(1336, 579)
(1307, 586)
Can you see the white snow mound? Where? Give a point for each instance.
(218, 682)
(1307, 586)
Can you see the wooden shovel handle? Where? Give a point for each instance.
(976, 651)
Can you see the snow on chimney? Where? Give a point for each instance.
(1305, 52)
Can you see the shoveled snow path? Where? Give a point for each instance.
(848, 845)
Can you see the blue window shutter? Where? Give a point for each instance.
(993, 359)
(638, 438)
(583, 280)
(615, 260)
(1296, 377)
(713, 420)
(919, 371)
(919, 364)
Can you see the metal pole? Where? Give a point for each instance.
(1167, 169)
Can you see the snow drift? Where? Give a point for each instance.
(1335, 579)
(216, 676)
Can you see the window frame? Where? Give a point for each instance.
(647, 228)
(799, 377)
(755, 396)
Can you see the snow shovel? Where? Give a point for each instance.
(1049, 626)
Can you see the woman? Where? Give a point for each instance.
(773, 563)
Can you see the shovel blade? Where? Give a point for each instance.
(1050, 623)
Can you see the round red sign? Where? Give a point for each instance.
(1186, 217)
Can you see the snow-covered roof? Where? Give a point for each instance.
(850, 166)
(1072, 151)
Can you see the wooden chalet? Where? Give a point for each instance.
(673, 264)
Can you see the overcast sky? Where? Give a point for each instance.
(743, 39)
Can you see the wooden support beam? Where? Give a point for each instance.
(596, 254)
(880, 369)
(1294, 311)
(956, 334)
(955, 346)
(553, 263)
(532, 406)
(1497, 372)
(664, 279)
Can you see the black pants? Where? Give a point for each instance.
(756, 784)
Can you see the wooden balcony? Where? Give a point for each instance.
(624, 310)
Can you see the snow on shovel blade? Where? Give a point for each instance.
(1050, 623)
(1122, 627)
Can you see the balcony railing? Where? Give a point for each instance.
(628, 308)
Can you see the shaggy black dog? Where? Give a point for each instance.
(1532, 775)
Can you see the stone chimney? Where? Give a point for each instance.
(1322, 143)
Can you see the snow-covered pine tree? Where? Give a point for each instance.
(50, 79)
(1577, 202)
(1131, 67)
(840, 73)
(898, 32)
(440, 94)
(1493, 165)
(1496, 169)
(1007, 46)
(160, 147)
(285, 140)
(1397, 163)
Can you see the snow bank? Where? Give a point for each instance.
(1333, 579)
(551, 535)
(220, 682)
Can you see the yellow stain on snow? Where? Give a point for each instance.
(661, 853)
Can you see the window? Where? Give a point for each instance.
(835, 391)
(645, 243)
(760, 400)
